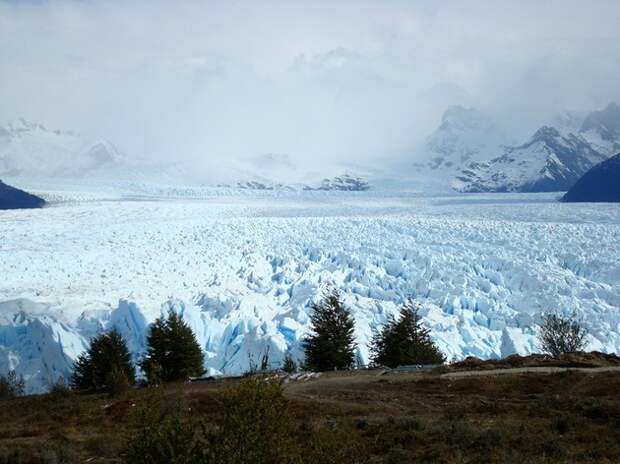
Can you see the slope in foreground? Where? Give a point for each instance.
(599, 184)
(14, 198)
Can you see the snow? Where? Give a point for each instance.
(464, 136)
(244, 269)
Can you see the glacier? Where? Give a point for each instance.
(244, 268)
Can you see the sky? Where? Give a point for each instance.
(317, 81)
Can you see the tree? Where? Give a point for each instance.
(405, 341)
(559, 335)
(11, 385)
(106, 359)
(173, 353)
(331, 343)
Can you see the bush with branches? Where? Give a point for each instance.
(559, 335)
(11, 385)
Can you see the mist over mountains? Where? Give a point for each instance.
(468, 152)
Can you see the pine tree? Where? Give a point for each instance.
(106, 359)
(404, 341)
(173, 353)
(331, 343)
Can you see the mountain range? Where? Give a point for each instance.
(468, 152)
(32, 150)
(553, 159)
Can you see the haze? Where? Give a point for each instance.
(317, 81)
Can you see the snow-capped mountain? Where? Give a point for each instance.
(32, 150)
(548, 162)
(465, 135)
(602, 129)
(552, 160)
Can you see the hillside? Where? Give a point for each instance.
(14, 198)
(599, 184)
(358, 417)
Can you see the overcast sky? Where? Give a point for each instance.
(318, 80)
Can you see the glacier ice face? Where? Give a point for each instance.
(245, 270)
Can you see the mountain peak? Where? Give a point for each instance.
(606, 122)
(464, 117)
(545, 133)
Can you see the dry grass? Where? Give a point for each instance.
(529, 418)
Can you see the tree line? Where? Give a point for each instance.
(174, 354)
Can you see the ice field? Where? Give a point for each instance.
(244, 268)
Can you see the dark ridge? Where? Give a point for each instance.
(14, 198)
(599, 184)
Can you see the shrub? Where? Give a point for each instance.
(405, 341)
(172, 349)
(118, 382)
(264, 362)
(60, 388)
(163, 437)
(255, 428)
(289, 365)
(559, 335)
(11, 385)
(331, 343)
(105, 359)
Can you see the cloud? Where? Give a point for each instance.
(318, 81)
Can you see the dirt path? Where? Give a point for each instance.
(526, 370)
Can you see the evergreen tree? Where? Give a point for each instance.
(404, 341)
(331, 344)
(106, 359)
(173, 353)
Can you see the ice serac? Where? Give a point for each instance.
(36, 344)
(599, 184)
(244, 271)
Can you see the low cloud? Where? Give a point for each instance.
(318, 81)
